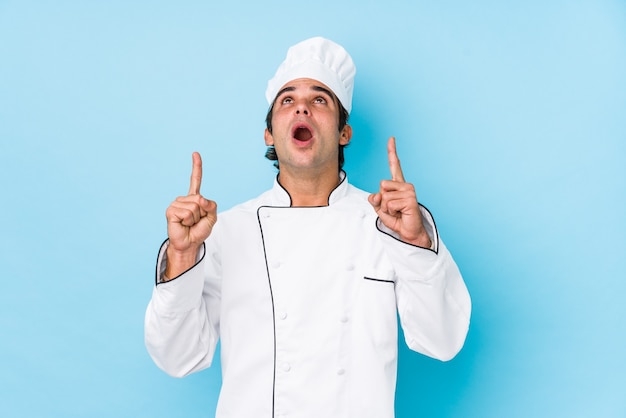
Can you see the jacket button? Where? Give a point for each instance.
(276, 264)
(286, 367)
(282, 315)
(341, 372)
(344, 319)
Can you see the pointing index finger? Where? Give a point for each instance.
(196, 174)
(394, 161)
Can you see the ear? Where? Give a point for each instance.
(345, 135)
(269, 139)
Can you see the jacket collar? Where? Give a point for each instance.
(280, 196)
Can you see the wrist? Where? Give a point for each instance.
(179, 262)
(422, 241)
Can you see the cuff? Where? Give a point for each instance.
(181, 294)
(162, 263)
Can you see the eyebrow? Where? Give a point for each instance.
(286, 89)
(324, 90)
(314, 88)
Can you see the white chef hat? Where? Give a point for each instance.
(318, 59)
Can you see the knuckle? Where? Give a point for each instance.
(197, 199)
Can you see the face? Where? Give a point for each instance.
(305, 121)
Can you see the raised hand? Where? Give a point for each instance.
(396, 203)
(190, 220)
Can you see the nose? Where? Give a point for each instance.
(302, 109)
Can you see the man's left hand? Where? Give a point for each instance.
(396, 204)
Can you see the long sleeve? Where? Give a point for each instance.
(433, 302)
(182, 318)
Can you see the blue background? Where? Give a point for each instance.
(511, 123)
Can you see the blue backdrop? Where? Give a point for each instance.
(510, 119)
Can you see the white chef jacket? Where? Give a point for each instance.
(305, 301)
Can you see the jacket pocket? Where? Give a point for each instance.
(376, 305)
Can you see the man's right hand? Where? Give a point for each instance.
(190, 220)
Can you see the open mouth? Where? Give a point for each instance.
(302, 133)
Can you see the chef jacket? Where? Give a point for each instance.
(305, 302)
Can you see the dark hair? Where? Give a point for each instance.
(270, 154)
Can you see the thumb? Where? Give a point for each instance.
(207, 207)
(375, 200)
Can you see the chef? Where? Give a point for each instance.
(303, 284)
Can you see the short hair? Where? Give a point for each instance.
(270, 153)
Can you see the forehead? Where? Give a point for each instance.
(306, 84)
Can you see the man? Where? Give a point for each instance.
(303, 284)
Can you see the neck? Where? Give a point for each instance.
(311, 189)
